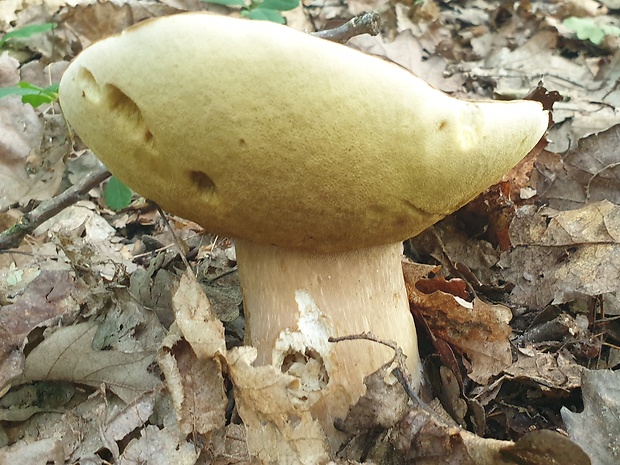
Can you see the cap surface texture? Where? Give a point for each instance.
(258, 131)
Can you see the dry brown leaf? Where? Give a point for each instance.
(49, 450)
(589, 172)
(67, 355)
(423, 439)
(477, 329)
(561, 256)
(196, 320)
(196, 386)
(278, 423)
(552, 373)
(21, 131)
(88, 241)
(452, 245)
(158, 447)
(581, 8)
(190, 359)
(53, 297)
(545, 447)
(596, 428)
(378, 410)
(228, 447)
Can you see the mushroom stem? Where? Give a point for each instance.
(294, 301)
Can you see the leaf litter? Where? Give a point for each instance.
(110, 353)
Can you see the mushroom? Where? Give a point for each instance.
(318, 159)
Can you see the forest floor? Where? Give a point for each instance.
(516, 295)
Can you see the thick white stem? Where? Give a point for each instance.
(295, 300)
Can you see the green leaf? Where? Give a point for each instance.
(26, 31)
(264, 14)
(34, 95)
(227, 2)
(280, 5)
(589, 29)
(117, 195)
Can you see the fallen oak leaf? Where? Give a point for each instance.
(476, 329)
(67, 355)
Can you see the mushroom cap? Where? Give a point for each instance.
(258, 131)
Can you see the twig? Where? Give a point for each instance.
(176, 240)
(12, 237)
(400, 372)
(364, 23)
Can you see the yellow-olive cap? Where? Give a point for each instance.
(258, 131)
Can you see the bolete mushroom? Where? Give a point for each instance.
(318, 159)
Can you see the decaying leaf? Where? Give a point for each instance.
(561, 256)
(196, 320)
(477, 329)
(190, 361)
(158, 447)
(196, 386)
(545, 447)
(67, 355)
(88, 240)
(596, 428)
(21, 131)
(554, 374)
(423, 439)
(378, 410)
(53, 297)
(589, 172)
(278, 423)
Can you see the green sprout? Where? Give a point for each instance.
(34, 95)
(590, 29)
(25, 32)
(117, 195)
(264, 10)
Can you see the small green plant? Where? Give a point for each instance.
(34, 95)
(117, 195)
(590, 29)
(265, 10)
(25, 32)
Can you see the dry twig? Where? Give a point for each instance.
(12, 237)
(364, 23)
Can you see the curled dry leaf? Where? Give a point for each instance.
(275, 412)
(196, 386)
(476, 329)
(561, 256)
(378, 410)
(190, 361)
(196, 320)
(554, 374)
(545, 447)
(422, 438)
